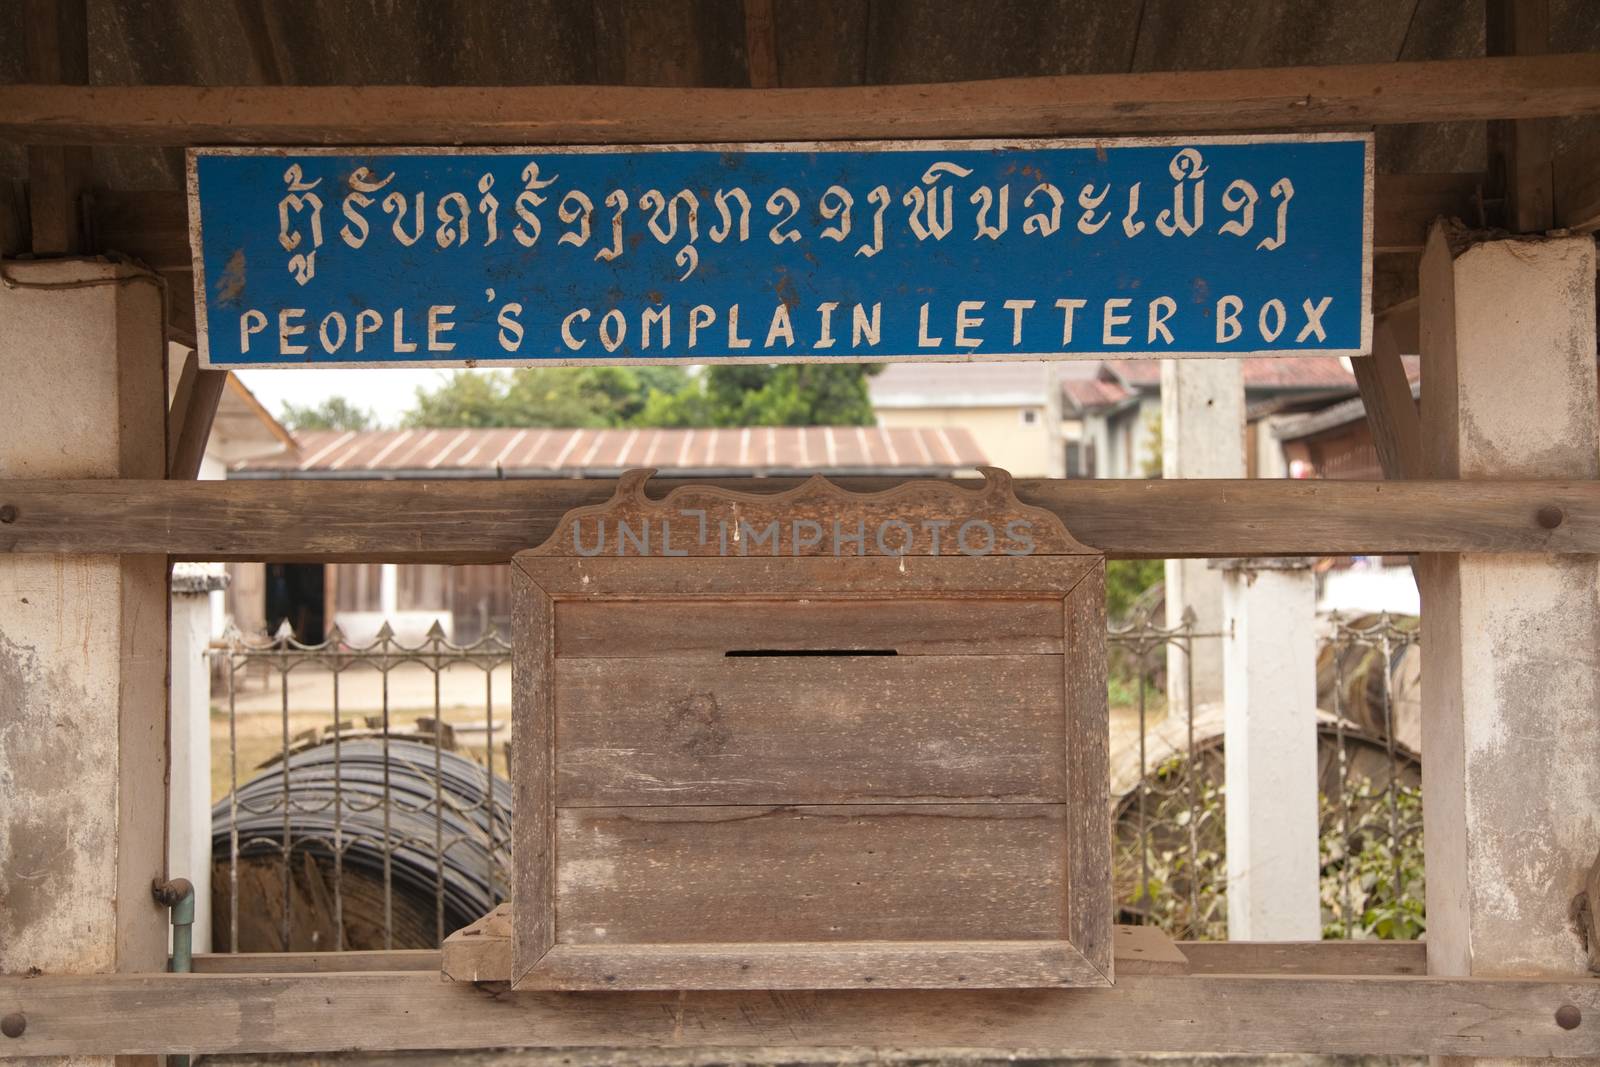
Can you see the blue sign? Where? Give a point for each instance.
(783, 252)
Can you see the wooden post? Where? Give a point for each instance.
(1520, 151)
(58, 53)
(1391, 413)
(83, 639)
(1510, 686)
(1270, 687)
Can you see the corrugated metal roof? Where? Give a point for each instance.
(1092, 394)
(548, 452)
(1277, 373)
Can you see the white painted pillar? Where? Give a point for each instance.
(189, 834)
(389, 591)
(1270, 744)
(83, 639)
(1511, 644)
(1202, 436)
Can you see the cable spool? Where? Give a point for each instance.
(474, 839)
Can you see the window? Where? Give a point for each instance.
(1030, 416)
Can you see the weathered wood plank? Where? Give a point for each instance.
(56, 40)
(405, 959)
(1391, 411)
(865, 579)
(831, 873)
(710, 629)
(1520, 152)
(810, 965)
(811, 730)
(186, 448)
(1146, 950)
(1305, 957)
(1088, 758)
(1202, 1014)
(489, 521)
(916, 519)
(481, 952)
(533, 774)
(1166, 102)
(1202, 957)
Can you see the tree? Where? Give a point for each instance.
(334, 413)
(799, 394)
(792, 394)
(545, 396)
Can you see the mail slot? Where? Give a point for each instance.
(745, 758)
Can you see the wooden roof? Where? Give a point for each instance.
(714, 43)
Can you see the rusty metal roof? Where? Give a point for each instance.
(1311, 373)
(539, 452)
(1084, 395)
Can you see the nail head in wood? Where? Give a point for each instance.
(1568, 1017)
(14, 1024)
(1551, 516)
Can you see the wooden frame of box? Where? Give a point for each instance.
(775, 763)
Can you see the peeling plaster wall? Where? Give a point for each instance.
(58, 764)
(1511, 664)
(82, 638)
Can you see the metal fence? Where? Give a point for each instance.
(343, 829)
(1169, 782)
(364, 800)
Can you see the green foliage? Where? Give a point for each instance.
(1126, 581)
(801, 394)
(793, 394)
(1176, 874)
(590, 397)
(1362, 864)
(334, 413)
(1180, 881)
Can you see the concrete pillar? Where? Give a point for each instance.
(1270, 742)
(189, 835)
(83, 639)
(1511, 644)
(1202, 436)
(389, 591)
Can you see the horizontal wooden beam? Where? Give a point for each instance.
(400, 959)
(1205, 957)
(1306, 957)
(486, 521)
(1085, 104)
(217, 1013)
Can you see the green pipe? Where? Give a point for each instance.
(178, 894)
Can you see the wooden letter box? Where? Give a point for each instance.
(811, 740)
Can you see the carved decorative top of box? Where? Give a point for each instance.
(815, 739)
